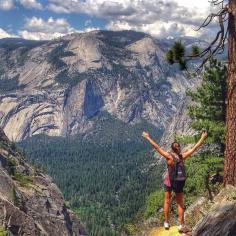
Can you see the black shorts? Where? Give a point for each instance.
(178, 189)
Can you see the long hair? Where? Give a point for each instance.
(175, 150)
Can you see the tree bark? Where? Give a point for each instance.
(230, 147)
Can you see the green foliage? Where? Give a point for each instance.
(96, 218)
(127, 77)
(10, 84)
(104, 176)
(12, 162)
(177, 55)
(56, 55)
(130, 229)
(114, 49)
(182, 64)
(24, 180)
(170, 57)
(178, 51)
(199, 169)
(207, 112)
(3, 231)
(72, 79)
(195, 50)
(154, 202)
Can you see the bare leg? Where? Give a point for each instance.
(167, 206)
(180, 206)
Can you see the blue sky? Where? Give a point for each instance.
(48, 19)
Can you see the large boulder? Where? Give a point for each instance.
(221, 217)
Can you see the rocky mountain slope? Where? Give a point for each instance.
(56, 87)
(179, 125)
(30, 203)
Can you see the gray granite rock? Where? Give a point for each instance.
(220, 219)
(60, 85)
(30, 203)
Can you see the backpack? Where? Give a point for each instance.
(177, 173)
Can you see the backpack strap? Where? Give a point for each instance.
(174, 158)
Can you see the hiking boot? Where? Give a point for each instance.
(166, 225)
(183, 229)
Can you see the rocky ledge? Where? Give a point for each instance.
(217, 217)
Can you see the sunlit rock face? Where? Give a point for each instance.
(57, 87)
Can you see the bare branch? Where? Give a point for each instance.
(206, 22)
(216, 2)
(223, 12)
(219, 34)
(218, 43)
(222, 34)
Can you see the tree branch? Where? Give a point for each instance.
(217, 44)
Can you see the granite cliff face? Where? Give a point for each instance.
(56, 87)
(30, 203)
(179, 125)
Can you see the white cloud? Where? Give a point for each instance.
(89, 29)
(38, 28)
(38, 35)
(5, 34)
(157, 17)
(48, 26)
(58, 9)
(6, 4)
(31, 4)
(158, 28)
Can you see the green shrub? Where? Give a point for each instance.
(10, 84)
(153, 203)
(130, 229)
(72, 79)
(3, 232)
(24, 180)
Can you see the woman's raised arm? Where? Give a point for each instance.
(196, 146)
(156, 146)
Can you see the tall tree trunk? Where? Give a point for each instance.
(230, 148)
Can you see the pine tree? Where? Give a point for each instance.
(227, 12)
(207, 112)
(210, 111)
(177, 55)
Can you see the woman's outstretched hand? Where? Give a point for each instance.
(204, 134)
(145, 134)
(156, 146)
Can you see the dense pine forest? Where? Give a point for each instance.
(105, 176)
(111, 178)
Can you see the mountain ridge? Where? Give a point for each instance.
(56, 87)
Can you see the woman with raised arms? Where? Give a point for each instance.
(174, 178)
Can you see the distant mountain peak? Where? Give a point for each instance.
(56, 87)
